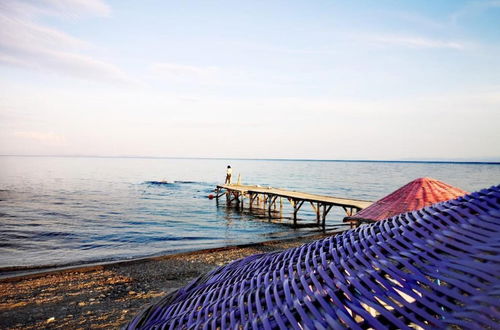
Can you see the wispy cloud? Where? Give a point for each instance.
(20, 33)
(92, 7)
(60, 8)
(182, 71)
(417, 42)
(47, 138)
(26, 43)
(261, 47)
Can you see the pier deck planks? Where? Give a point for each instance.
(337, 201)
(297, 199)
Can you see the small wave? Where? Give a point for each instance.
(24, 237)
(4, 194)
(172, 182)
(142, 223)
(55, 234)
(180, 238)
(158, 182)
(93, 246)
(57, 214)
(8, 245)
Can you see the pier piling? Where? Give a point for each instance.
(266, 197)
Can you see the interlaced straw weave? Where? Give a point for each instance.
(433, 268)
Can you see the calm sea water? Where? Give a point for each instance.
(60, 211)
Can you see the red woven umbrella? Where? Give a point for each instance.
(413, 196)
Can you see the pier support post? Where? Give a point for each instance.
(271, 203)
(269, 198)
(350, 210)
(281, 207)
(251, 197)
(326, 209)
(317, 210)
(318, 213)
(296, 208)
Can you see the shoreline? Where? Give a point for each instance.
(13, 273)
(108, 295)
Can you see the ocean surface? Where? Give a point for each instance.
(75, 210)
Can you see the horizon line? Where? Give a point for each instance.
(432, 161)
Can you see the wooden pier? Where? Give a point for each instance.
(268, 197)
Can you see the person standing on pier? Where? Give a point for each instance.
(229, 172)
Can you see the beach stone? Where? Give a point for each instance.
(131, 292)
(112, 302)
(50, 320)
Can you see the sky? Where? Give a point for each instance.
(384, 80)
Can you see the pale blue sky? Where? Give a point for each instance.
(256, 79)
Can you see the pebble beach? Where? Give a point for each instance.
(107, 296)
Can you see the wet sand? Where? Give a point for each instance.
(108, 296)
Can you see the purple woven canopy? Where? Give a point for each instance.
(436, 267)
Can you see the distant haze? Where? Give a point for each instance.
(255, 79)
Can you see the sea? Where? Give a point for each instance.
(63, 211)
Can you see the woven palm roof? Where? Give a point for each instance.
(435, 268)
(413, 196)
